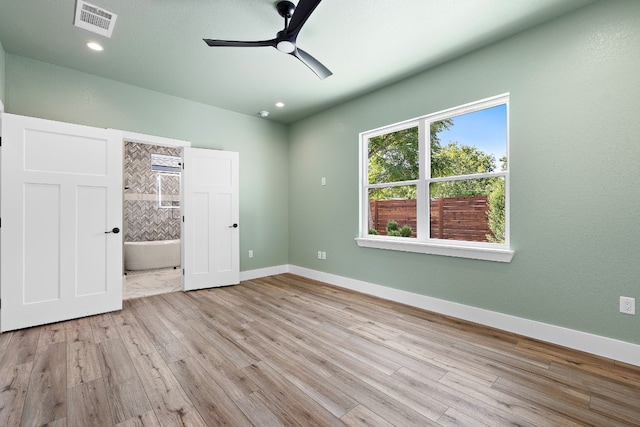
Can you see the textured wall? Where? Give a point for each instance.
(2, 74)
(144, 219)
(574, 152)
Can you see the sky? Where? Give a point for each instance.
(484, 129)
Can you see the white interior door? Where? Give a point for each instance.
(61, 203)
(210, 231)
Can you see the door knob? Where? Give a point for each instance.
(114, 230)
(233, 226)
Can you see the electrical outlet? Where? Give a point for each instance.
(250, 253)
(323, 181)
(324, 255)
(319, 254)
(627, 305)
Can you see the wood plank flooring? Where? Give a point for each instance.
(286, 351)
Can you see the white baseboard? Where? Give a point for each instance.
(264, 272)
(595, 344)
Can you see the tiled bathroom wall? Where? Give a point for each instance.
(144, 219)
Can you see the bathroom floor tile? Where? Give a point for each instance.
(151, 282)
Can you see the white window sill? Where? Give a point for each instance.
(499, 254)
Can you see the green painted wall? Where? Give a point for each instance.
(574, 154)
(38, 89)
(1, 73)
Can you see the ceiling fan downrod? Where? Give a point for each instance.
(286, 9)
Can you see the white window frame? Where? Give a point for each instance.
(501, 252)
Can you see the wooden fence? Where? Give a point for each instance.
(458, 218)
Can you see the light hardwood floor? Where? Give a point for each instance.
(285, 350)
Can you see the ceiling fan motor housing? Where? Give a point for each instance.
(285, 8)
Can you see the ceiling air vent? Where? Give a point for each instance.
(95, 19)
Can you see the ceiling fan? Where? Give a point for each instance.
(285, 41)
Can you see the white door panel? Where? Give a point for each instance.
(61, 193)
(225, 215)
(210, 206)
(91, 217)
(200, 234)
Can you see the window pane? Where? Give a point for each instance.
(393, 157)
(392, 211)
(168, 190)
(470, 143)
(164, 163)
(469, 210)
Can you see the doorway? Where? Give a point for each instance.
(152, 219)
(62, 253)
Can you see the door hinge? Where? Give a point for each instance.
(183, 271)
(182, 218)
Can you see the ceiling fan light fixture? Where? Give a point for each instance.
(263, 113)
(286, 46)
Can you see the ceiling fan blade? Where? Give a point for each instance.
(236, 43)
(300, 15)
(311, 62)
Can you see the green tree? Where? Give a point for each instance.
(455, 159)
(394, 157)
(496, 213)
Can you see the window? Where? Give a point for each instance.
(439, 184)
(168, 185)
(168, 174)
(165, 163)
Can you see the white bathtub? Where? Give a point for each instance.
(150, 255)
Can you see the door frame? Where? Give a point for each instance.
(169, 142)
(140, 138)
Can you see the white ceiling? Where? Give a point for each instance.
(157, 44)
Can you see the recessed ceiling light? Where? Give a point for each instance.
(95, 46)
(279, 104)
